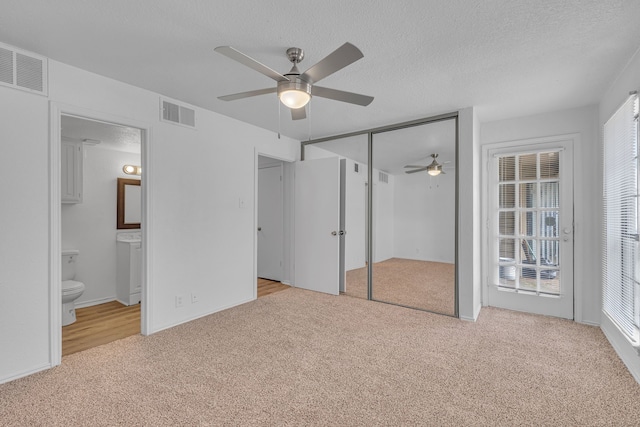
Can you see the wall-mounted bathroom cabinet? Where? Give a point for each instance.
(71, 157)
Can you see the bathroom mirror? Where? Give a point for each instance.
(129, 203)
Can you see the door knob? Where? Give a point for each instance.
(334, 233)
(342, 232)
(259, 228)
(566, 230)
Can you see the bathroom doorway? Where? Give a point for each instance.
(98, 201)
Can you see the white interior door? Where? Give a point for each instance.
(317, 221)
(530, 228)
(270, 223)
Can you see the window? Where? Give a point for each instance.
(621, 270)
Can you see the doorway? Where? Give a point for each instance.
(270, 230)
(96, 158)
(86, 228)
(529, 217)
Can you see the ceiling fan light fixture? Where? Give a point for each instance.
(294, 94)
(433, 171)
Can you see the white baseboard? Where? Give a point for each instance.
(89, 303)
(627, 352)
(286, 282)
(197, 316)
(25, 373)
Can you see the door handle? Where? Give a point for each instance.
(342, 232)
(259, 228)
(566, 230)
(334, 233)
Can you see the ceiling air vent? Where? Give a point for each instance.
(178, 114)
(23, 70)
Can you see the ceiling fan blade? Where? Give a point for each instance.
(415, 166)
(298, 113)
(241, 95)
(417, 170)
(340, 95)
(236, 55)
(336, 60)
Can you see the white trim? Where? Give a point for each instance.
(198, 316)
(526, 145)
(25, 373)
(256, 154)
(56, 110)
(627, 352)
(93, 302)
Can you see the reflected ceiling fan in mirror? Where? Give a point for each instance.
(294, 89)
(433, 169)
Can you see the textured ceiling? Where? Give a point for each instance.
(110, 136)
(506, 57)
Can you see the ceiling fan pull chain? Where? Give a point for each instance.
(278, 101)
(309, 123)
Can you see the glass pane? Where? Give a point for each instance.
(550, 281)
(414, 217)
(507, 168)
(527, 224)
(549, 253)
(507, 196)
(549, 165)
(507, 249)
(549, 194)
(528, 195)
(507, 224)
(527, 165)
(528, 279)
(549, 224)
(528, 251)
(507, 275)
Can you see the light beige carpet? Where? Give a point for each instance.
(303, 358)
(421, 284)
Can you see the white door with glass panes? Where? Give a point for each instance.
(530, 227)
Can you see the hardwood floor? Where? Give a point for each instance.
(104, 323)
(267, 287)
(100, 324)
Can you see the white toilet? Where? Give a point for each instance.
(71, 289)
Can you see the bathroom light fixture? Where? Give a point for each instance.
(132, 169)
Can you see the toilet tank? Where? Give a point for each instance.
(69, 263)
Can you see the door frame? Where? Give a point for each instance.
(288, 235)
(56, 111)
(280, 167)
(523, 144)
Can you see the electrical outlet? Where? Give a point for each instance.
(194, 298)
(179, 301)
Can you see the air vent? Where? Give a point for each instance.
(383, 177)
(178, 114)
(356, 168)
(23, 70)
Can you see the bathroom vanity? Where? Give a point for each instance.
(129, 268)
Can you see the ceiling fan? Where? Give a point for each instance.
(294, 89)
(433, 169)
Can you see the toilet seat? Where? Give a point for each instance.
(71, 287)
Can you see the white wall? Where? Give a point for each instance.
(586, 201)
(90, 226)
(200, 240)
(425, 217)
(628, 80)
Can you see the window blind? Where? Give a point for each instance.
(621, 287)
